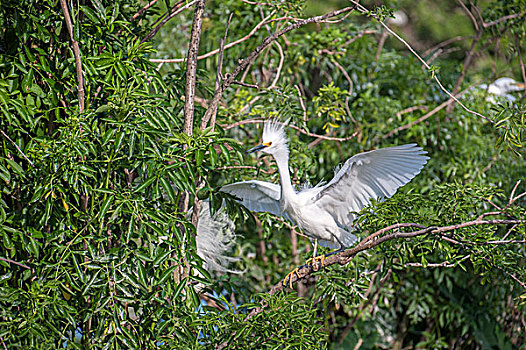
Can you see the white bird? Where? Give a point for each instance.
(502, 87)
(326, 212)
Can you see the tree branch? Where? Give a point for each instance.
(16, 146)
(245, 62)
(15, 262)
(176, 9)
(76, 53)
(424, 63)
(373, 240)
(191, 67)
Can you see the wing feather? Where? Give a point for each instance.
(257, 196)
(370, 175)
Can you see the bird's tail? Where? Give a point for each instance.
(344, 236)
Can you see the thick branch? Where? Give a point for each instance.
(375, 239)
(76, 53)
(191, 68)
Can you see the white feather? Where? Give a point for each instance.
(215, 239)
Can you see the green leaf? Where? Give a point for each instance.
(168, 189)
(105, 206)
(14, 165)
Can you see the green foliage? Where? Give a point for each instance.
(96, 245)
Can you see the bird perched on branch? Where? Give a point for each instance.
(326, 212)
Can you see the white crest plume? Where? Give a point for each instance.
(273, 130)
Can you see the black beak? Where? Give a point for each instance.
(255, 149)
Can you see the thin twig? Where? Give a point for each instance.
(504, 18)
(280, 65)
(422, 118)
(444, 43)
(15, 262)
(434, 76)
(253, 86)
(219, 76)
(146, 7)
(349, 93)
(76, 53)
(442, 264)
(470, 15)
(411, 109)
(302, 104)
(16, 146)
(176, 9)
(245, 62)
(257, 3)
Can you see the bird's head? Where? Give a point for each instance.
(505, 85)
(274, 139)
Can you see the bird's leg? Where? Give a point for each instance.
(310, 261)
(315, 257)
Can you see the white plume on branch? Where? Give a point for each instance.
(215, 239)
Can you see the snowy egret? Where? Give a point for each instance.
(326, 212)
(502, 87)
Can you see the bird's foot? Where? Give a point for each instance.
(311, 261)
(315, 259)
(289, 276)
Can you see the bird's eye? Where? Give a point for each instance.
(268, 144)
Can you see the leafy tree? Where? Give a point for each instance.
(118, 116)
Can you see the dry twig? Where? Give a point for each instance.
(245, 62)
(424, 63)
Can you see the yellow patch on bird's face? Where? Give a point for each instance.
(268, 144)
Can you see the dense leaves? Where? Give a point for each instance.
(97, 248)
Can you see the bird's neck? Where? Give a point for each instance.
(282, 160)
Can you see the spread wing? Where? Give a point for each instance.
(375, 174)
(258, 196)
